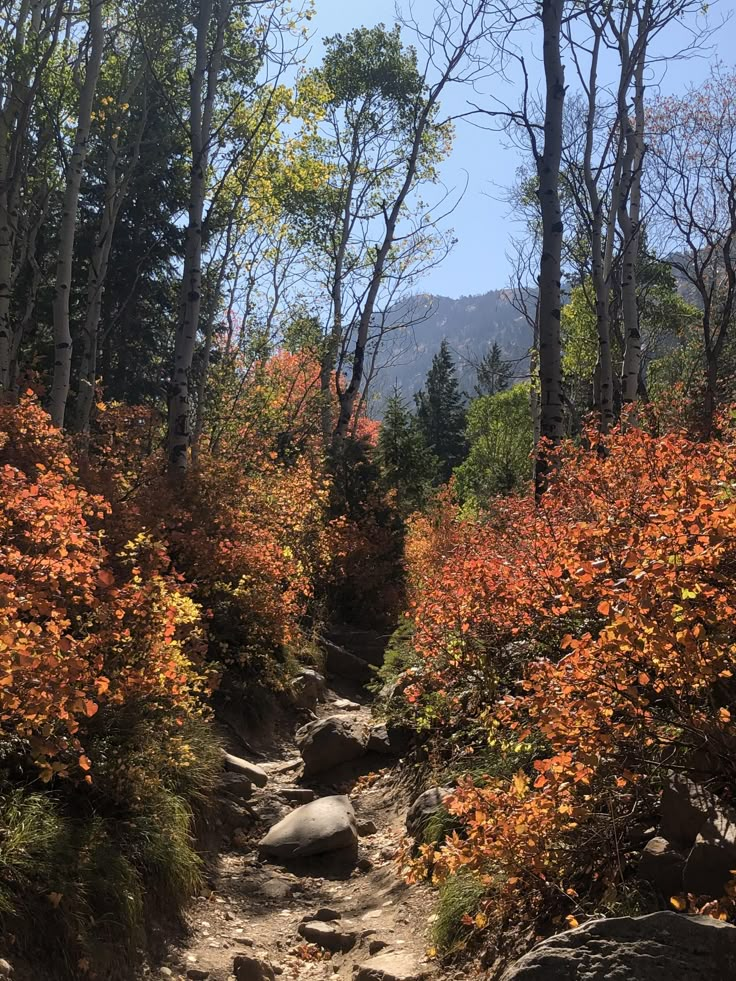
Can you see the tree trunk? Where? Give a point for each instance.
(349, 397)
(710, 400)
(604, 369)
(548, 173)
(203, 89)
(62, 331)
(95, 291)
(15, 115)
(207, 352)
(115, 191)
(629, 214)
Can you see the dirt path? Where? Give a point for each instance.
(254, 907)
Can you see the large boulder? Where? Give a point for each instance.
(685, 807)
(423, 809)
(328, 742)
(325, 825)
(254, 773)
(712, 859)
(659, 947)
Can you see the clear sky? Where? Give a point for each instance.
(483, 220)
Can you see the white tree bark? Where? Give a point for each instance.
(203, 90)
(67, 234)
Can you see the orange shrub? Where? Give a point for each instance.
(79, 626)
(622, 584)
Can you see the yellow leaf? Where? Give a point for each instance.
(571, 921)
(481, 920)
(520, 783)
(679, 903)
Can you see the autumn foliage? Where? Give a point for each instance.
(81, 626)
(596, 629)
(116, 588)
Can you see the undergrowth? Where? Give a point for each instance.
(83, 876)
(458, 898)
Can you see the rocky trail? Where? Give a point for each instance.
(316, 895)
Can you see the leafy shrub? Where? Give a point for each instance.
(621, 584)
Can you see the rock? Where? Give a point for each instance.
(325, 825)
(233, 815)
(389, 740)
(308, 688)
(197, 974)
(376, 946)
(269, 810)
(423, 808)
(324, 914)
(6, 968)
(165, 971)
(713, 856)
(236, 785)
(277, 888)
(393, 966)
(297, 795)
(366, 828)
(341, 662)
(345, 705)
(364, 865)
(662, 866)
(246, 968)
(685, 807)
(379, 741)
(365, 644)
(253, 772)
(329, 742)
(240, 839)
(659, 947)
(334, 938)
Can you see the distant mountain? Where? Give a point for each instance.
(471, 324)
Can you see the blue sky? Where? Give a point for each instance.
(483, 221)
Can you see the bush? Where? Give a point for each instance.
(619, 585)
(103, 695)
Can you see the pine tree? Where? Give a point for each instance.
(494, 373)
(441, 412)
(407, 465)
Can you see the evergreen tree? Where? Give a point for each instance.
(441, 412)
(494, 373)
(407, 465)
